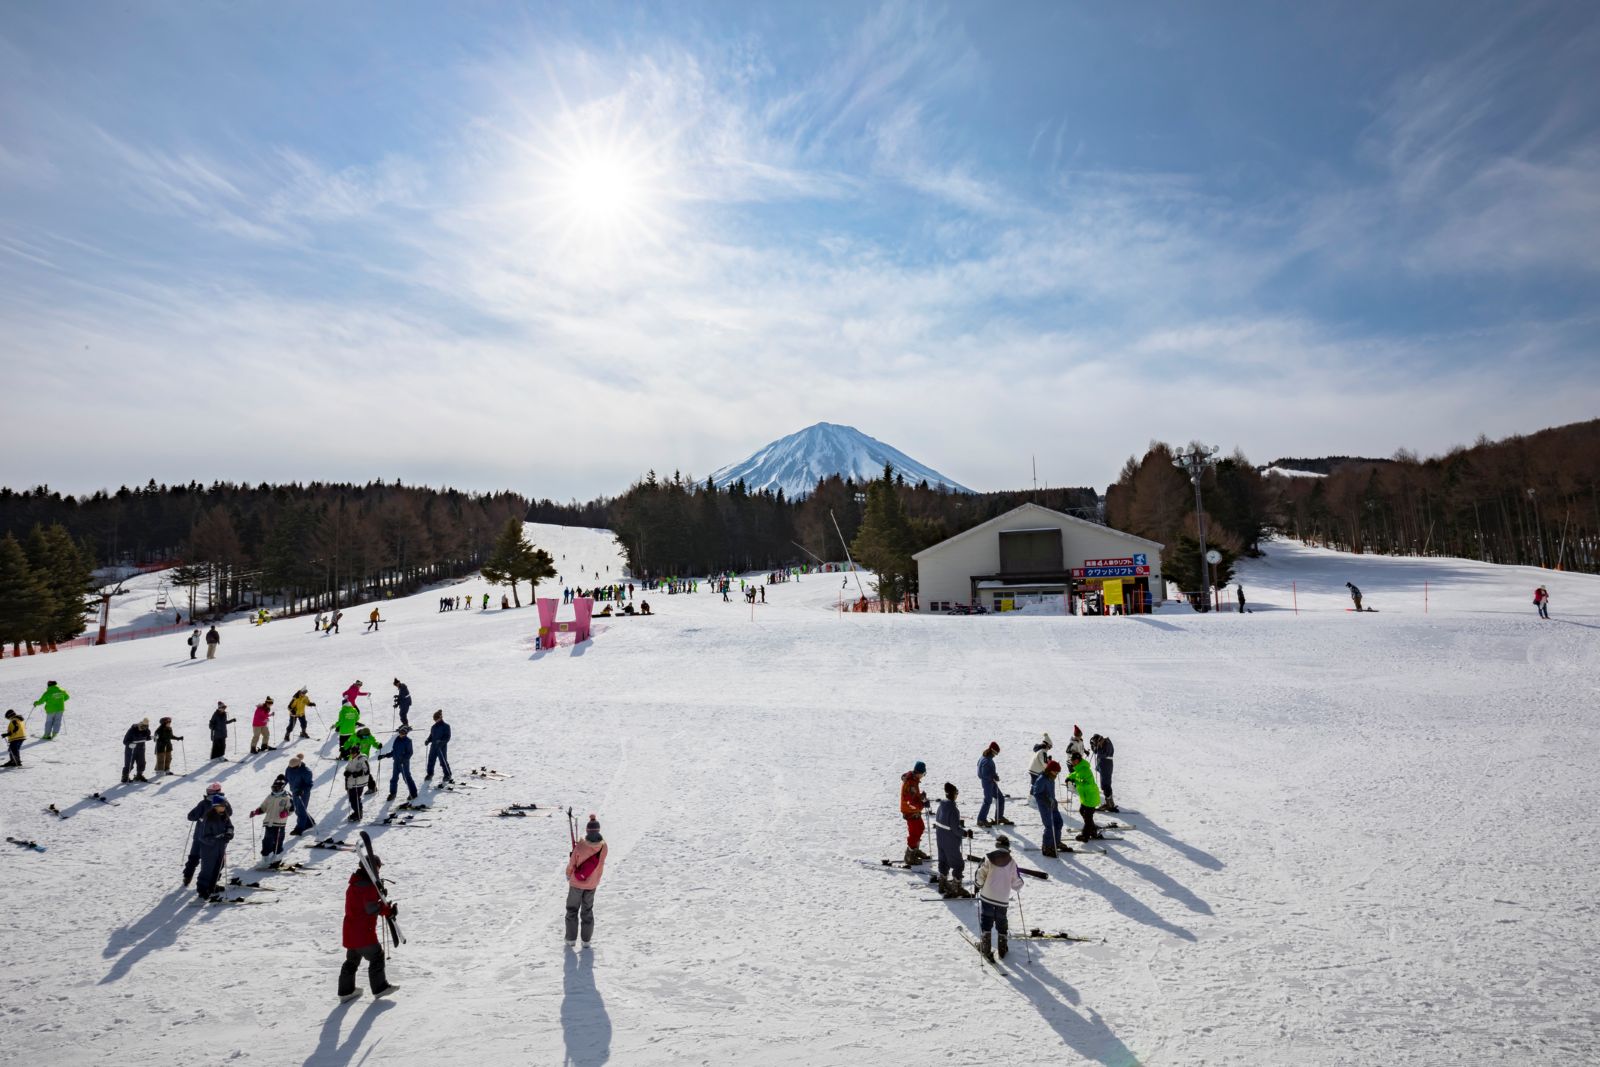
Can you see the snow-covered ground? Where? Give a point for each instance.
(1360, 839)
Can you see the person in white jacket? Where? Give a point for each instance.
(1041, 756)
(274, 812)
(998, 878)
(357, 776)
(1075, 747)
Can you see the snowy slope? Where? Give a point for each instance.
(795, 463)
(1361, 839)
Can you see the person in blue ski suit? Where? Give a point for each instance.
(213, 819)
(195, 814)
(992, 793)
(438, 746)
(299, 779)
(1044, 795)
(400, 752)
(947, 836)
(402, 701)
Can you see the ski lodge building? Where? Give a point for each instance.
(1033, 555)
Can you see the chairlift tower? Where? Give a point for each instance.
(1195, 461)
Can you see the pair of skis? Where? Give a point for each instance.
(365, 855)
(34, 845)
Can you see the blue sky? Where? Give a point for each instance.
(541, 248)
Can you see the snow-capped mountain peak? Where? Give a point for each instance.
(795, 463)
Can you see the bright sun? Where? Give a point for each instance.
(603, 187)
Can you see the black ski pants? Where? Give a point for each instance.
(994, 915)
(301, 719)
(218, 747)
(212, 857)
(373, 954)
(15, 748)
(580, 902)
(132, 760)
(355, 801)
(1105, 779)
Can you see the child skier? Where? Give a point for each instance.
(913, 802)
(584, 867)
(362, 906)
(989, 775)
(1044, 796)
(219, 731)
(354, 691)
(438, 746)
(297, 714)
(299, 780)
(1041, 756)
(164, 739)
(357, 777)
(260, 728)
(1088, 796)
(400, 752)
(402, 701)
(998, 878)
(16, 733)
(274, 812)
(1076, 747)
(213, 819)
(133, 743)
(948, 841)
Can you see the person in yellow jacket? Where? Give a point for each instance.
(373, 620)
(297, 714)
(16, 733)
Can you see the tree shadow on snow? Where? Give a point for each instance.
(330, 1050)
(157, 928)
(585, 1026)
(1152, 621)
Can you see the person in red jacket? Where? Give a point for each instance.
(362, 906)
(913, 801)
(585, 865)
(353, 692)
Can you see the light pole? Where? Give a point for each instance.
(1538, 527)
(1195, 461)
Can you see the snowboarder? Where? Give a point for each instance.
(219, 731)
(213, 819)
(1044, 796)
(948, 843)
(400, 752)
(584, 867)
(438, 746)
(349, 718)
(1355, 594)
(1104, 751)
(402, 701)
(998, 878)
(261, 728)
(299, 780)
(297, 714)
(274, 812)
(913, 802)
(1541, 602)
(133, 743)
(54, 698)
(992, 793)
(357, 777)
(362, 906)
(1041, 756)
(1088, 796)
(194, 642)
(164, 739)
(16, 733)
(213, 639)
(373, 620)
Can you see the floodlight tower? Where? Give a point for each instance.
(1195, 461)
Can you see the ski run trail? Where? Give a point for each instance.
(1360, 839)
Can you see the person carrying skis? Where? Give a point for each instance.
(299, 780)
(54, 698)
(998, 877)
(438, 746)
(913, 802)
(16, 733)
(164, 739)
(947, 838)
(362, 906)
(133, 743)
(400, 752)
(1044, 796)
(402, 701)
(1088, 796)
(1041, 756)
(1104, 751)
(219, 731)
(213, 639)
(357, 779)
(213, 819)
(349, 719)
(194, 642)
(584, 866)
(1355, 594)
(297, 714)
(274, 812)
(1541, 602)
(989, 776)
(261, 728)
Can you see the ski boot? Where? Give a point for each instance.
(983, 946)
(1004, 948)
(913, 857)
(1003, 821)
(1049, 851)
(984, 824)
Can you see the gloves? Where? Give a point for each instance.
(253, 814)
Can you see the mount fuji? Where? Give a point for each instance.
(796, 463)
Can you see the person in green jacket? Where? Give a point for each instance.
(364, 745)
(54, 698)
(349, 719)
(1088, 795)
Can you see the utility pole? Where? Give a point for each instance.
(1538, 527)
(1195, 461)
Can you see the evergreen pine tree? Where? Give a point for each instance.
(26, 605)
(884, 542)
(67, 573)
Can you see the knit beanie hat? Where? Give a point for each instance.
(994, 746)
(214, 787)
(297, 761)
(920, 768)
(1002, 841)
(1052, 767)
(593, 828)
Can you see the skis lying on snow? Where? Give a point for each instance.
(26, 844)
(1060, 935)
(410, 806)
(236, 880)
(1029, 871)
(518, 813)
(333, 846)
(396, 819)
(217, 900)
(51, 809)
(102, 798)
(489, 773)
(365, 855)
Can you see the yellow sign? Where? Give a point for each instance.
(1112, 590)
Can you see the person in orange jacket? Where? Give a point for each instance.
(585, 865)
(913, 802)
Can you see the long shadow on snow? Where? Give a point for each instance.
(585, 1025)
(157, 928)
(110, 793)
(330, 1050)
(1151, 621)
(1198, 856)
(1161, 880)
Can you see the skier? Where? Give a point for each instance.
(16, 733)
(373, 620)
(274, 812)
(1044, 796)
(260, 728)
(333, 623)
(400, 752)
(1241, 600)
(365, 745)
(992, 793)
(133, 743)
(54, 698)
(486, 602)
(320, 622)
(584, 867)
(402, 701)
(1041, 756)
(212, 832)
(349, 719)
(357, 777)
(164, 739)
(194, 642)
(213, 639)
(219, 731)
(998, 878)
(1088, 796)
(195, 813)
(1355, 594)
(1076, 747)
(299, 780)
(354, 691)
(1104, 751)
(362, 906)
(948, 841)
(297, 714)
(913, 801)
(438, 746)
(1541, 602)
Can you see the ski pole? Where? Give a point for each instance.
(235, 737)
(1026, 945)
(253, 835)
(185, 755)
(186, 838)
